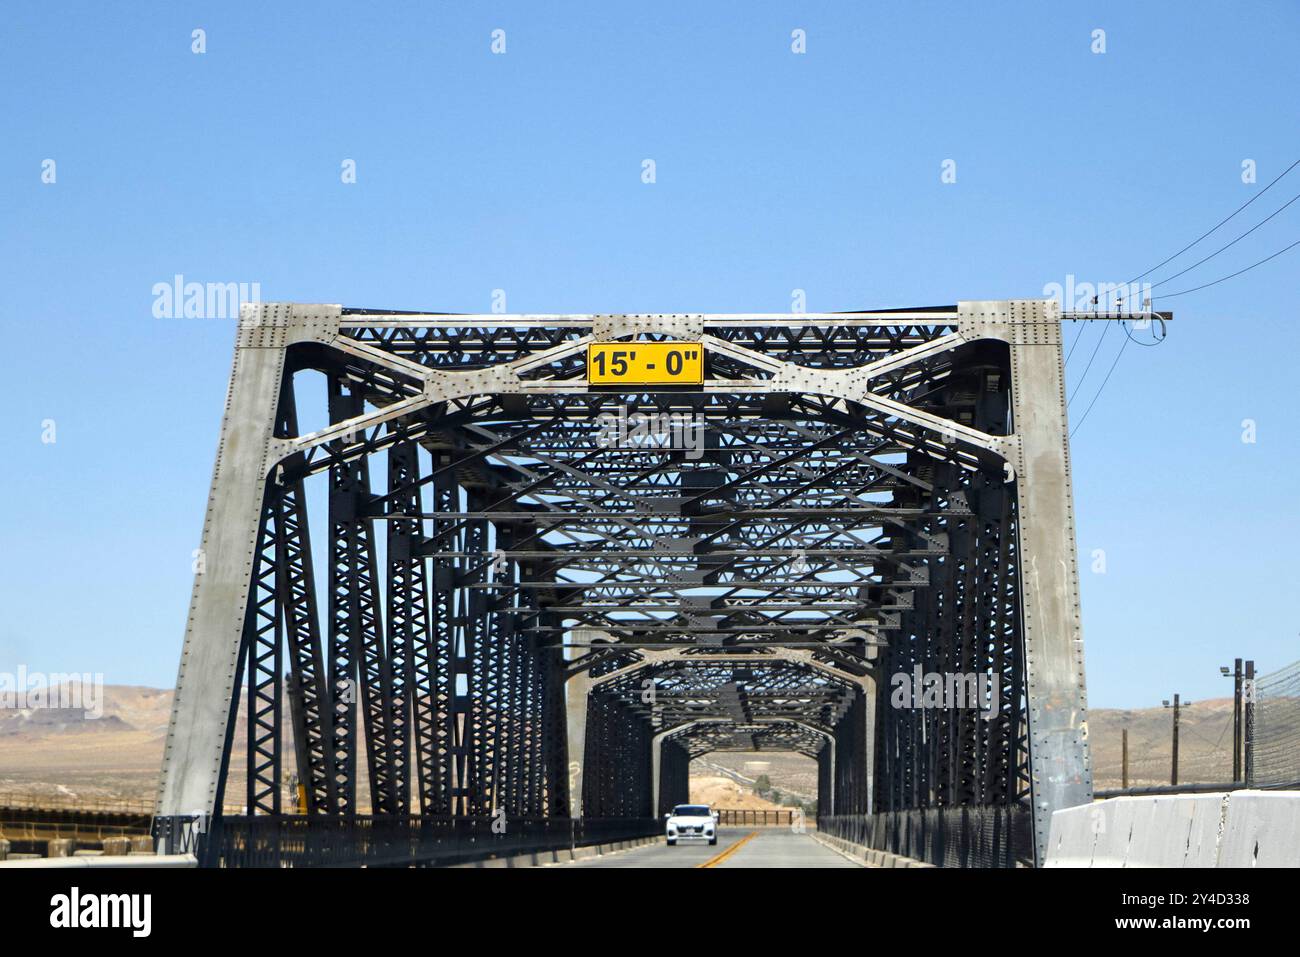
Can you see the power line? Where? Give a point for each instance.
(1147, 345)
(1078, 385)
(1100, 389)
(1233, 243)
(1128, 336)
(1183, 292)
(1227, 724)
(1215, 228)
(1077, 336)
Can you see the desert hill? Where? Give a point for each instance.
(60, 755)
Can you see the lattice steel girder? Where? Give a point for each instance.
(768, 722)
(356, 629)
(421, 374)
(265, 640)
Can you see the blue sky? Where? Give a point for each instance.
(522, 172)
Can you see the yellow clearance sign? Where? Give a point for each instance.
(645, 363)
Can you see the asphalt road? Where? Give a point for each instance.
(769, 847)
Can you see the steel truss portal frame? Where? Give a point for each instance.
(533, 617)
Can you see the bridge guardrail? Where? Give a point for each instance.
(756, 817)
(972, 836)
(112, 823)
(27, 800)
(378, 840)
(34, 829)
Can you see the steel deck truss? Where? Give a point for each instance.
(531, 612)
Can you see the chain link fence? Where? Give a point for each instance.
(1276, 733)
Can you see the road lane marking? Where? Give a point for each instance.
(719, 858)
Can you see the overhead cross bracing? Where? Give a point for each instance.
(541, 597)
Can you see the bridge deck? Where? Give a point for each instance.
(769, 847)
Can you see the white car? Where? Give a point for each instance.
(692, 822)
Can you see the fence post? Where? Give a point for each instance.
(1250, 724)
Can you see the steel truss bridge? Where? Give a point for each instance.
(450, 608)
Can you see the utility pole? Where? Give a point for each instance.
(1123, 761)
(1173, 775)
(1236, 675)
(1173, 778)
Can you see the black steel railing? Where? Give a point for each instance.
(756, 817)
(975, 836)
(386, 841)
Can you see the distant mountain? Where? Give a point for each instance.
(1204, 750)
(65, 756)
(62, 755)
(1204, 744)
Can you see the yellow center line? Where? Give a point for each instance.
(717, 859)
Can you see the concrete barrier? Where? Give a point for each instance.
(562, 856)
(117, 846)
(1263, 830)
(1221, 829)
(870, 856)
